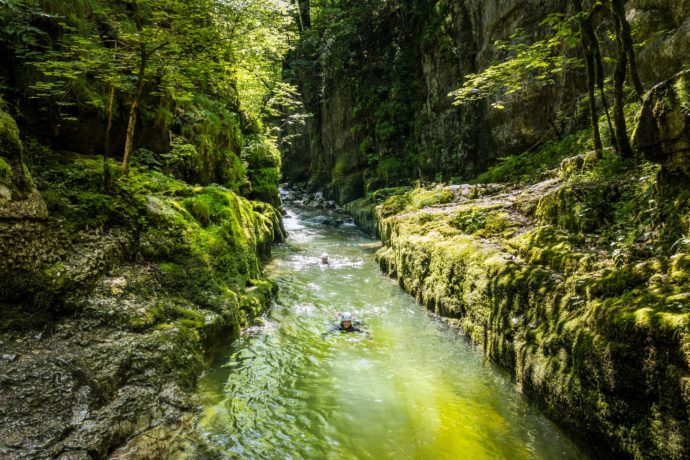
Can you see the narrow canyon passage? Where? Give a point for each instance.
(414, 388)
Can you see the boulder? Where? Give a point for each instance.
(18, 195)
(662, 134)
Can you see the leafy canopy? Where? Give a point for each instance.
(528, 64)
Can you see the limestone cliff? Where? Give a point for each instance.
(378, 96)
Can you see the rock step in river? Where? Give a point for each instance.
(412, 389)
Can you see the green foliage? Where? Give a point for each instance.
(421, 198)
(209, 72)
(531, 166)
(483, 221)
(71, 189)
(529, 65)
(5, 172)
(200, 207)
(261, 151)
(145, 157)
(382, 86)
(390, 170)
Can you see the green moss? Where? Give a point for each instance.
(578, 207)
(552, 248)
(484, 221)
(383, 194)
(213, 242)
(200, 208)
(5, 172)
(394, 205)
(532, 166)
(398, 200)
(264, 184)
(680, 268)
(10, 144)
(341, 168)
(421, 198)
(204, 242)
(348, 187)
(579, 319)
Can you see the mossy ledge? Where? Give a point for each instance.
(577, 284)
(110, 301)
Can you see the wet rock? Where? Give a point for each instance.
(125, 359)
(75, 455)
(332, 222)
(14, 440)
(172, 394)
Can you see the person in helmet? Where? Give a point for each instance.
(346, 324)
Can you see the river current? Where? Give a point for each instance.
(412, 389)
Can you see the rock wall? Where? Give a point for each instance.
(597, 336)
(378, 98)
(109, 302)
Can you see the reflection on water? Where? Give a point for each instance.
(412, 389)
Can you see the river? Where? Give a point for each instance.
(412, 389)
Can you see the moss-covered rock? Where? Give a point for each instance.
(596, 331)
(18, 196)
(110, 303)
(662, 133)
(10, 144)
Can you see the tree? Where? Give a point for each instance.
(532, 65)
(618, 9)
(303, 15)
(529, 66)
(214, 64)
(624, 55)
(155, 22)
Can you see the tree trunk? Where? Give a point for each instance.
(591, 95)
(132, 123)
(305, 13)
(628, 45)
(586, 32)
(598, 70)
(107, 147)
(297, 17)
(599, 75)
(619, 74)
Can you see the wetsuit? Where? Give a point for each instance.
(339, 328)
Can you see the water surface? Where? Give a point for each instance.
(413, 389)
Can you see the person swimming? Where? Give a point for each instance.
(324, 259)
(346, 324)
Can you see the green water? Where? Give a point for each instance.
(413, 389)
